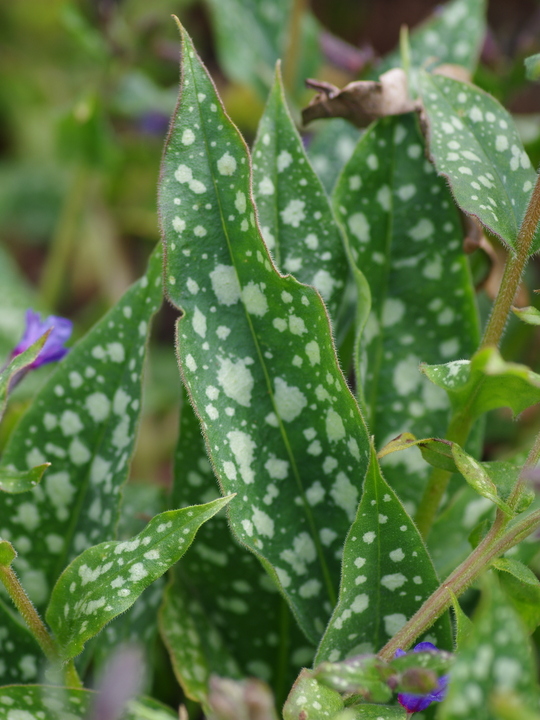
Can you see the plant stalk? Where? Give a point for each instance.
(292, 54)
(513, 272)
(494, 544)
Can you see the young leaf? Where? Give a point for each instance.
(478, 478)
(274, 651)
(372, 712)
(17, 481)
(532, 67)
(405, 235)
(267, 418)
(196, 647)
(295, 217)
(106, 579)
(309, 699)
(522, 588)
(495, 660)
(496, 383)
(475, 144)
(18, 363)
(529, 315)
(84, 422)
(453, 36)
(365, 676)
(387, 574)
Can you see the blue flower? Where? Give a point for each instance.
(54, 349)
(415, 703)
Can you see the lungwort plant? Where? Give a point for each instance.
(355, 547)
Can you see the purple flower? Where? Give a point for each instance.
(54, 349)
(415, 703)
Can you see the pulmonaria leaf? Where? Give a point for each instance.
(198, 608)
(330, 147)
(365, 676)
(283, 430)
(47, 702)
(532, 67)
(495, 661)
(310, 699)
(19, 481)
(496, 383)
(475, 144)
(529, 315)
(387, 575)
(83, 421)
(453, 35)
(295, 216)
(405, 236)
(522, 588)
(22, 658)
(106, 579)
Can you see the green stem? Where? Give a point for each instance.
(54, 273)
(290, 61)
(494, 544)
(28, 612)
(513, 272)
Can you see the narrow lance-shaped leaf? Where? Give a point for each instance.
(475, 144)
(222, 591)
(387, 575)
(106, 579)
(453, 35)
(405, 236)
(330, 148)
(496, 659)
(19, 481)
(84, 422)
(496, 383)
(295, 216)
(256, 356)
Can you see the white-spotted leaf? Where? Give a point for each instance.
(276, 424)
(19, 481)
(475, 144)
(495, 660)
(295, 216)
(84, 422)
(221, 585)
(405, 236)
(496, 383)
(22, 658)
(106, 579)
(310, 699)
(387, 575)
(17, 365)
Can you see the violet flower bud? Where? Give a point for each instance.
(413, 702)
(54, 349)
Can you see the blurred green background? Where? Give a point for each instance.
(86, 91)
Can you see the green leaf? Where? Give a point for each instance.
(16, 365)
(84, 422)
(309, 699)
(496, 660)
(405, 236)
(463, 624)
(387, 575)
(267, 27)
(275, 650)
(435, 451)
(47, 702)
(196, 646)
(529, 315)
(7, 553)
(16, 481)
(295, 216)
(267, 416)
(522, 588)
(106, 579)
(330, 148)
(486, 382)
(365, 676)
(475, 144)
(453, 35)
(532, 67)
(372, 712)
(478, 478)
(22, 658)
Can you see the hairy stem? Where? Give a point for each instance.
(494, 544)
(513, 271)
(28, 612)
